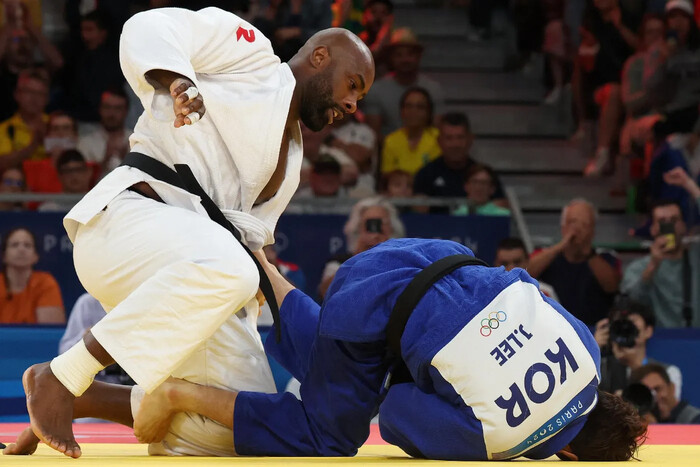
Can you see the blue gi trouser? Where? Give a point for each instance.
(340, 390)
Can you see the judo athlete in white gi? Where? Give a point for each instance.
(178, 288)
(496, 370)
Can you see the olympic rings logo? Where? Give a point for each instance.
(492, 322)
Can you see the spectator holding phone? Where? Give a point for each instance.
(371, 222)
(668, 279)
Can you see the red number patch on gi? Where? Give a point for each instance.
(247, 34)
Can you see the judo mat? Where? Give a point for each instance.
(110, 445)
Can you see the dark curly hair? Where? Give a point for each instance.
(614, 431)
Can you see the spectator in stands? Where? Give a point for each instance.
(12, 181)
(107, 143)
(642, 75)
(622, 338)
(74, 175)
(681, 80)
(358, 143)
(444, 177)
(325, 143)
(670, 409)
(585, 281)
(415, 144)
(26, 295)
(93, 69)
(325, 180)
(86, 313)
(556, 48)
(20, 42)
(397, 184)
(661, 280)
(290, 24)
(665, 159)
(382, 104)
(347, 14)
(325, 183)
(371, 222)
(681, 178)
(22, 135)
(480, 186)
(62, 135)
(608, 39)
(379, 23)
(511, 253)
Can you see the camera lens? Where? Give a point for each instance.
(624, 333)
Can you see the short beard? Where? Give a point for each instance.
(316, 99)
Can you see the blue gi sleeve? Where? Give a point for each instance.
(426, 425)
(339, 397)
(299, 316)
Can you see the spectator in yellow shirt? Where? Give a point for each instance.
(22, 135)
(416, 143)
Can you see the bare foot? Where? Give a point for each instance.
(25, 444)
(155, 413)
(50, 407)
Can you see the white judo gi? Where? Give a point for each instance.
(178, 288)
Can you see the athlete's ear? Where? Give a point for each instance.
(320, 58)
(566, 454)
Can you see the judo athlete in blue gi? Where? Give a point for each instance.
(496, 370)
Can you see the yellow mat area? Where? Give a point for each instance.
(123, 455)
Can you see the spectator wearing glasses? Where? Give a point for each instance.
(668, 407)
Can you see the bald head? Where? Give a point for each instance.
(334, 70)
(343, 42)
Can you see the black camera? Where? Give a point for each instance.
(624, 332)
(374, 225)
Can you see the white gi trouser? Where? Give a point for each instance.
(172, 282)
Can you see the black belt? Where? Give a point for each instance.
(182, 177)
(407, 302)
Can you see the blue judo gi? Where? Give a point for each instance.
(499, 370)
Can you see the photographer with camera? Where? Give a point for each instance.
(668, 279)
(622, 338)
(666, 405)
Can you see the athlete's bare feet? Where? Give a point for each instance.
(155, 413)
(50, 407)
(25, 444)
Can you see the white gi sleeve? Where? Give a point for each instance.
(208, 41)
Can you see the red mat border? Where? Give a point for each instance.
(112, 433)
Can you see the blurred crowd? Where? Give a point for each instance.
(632, 71)
(631, 68)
